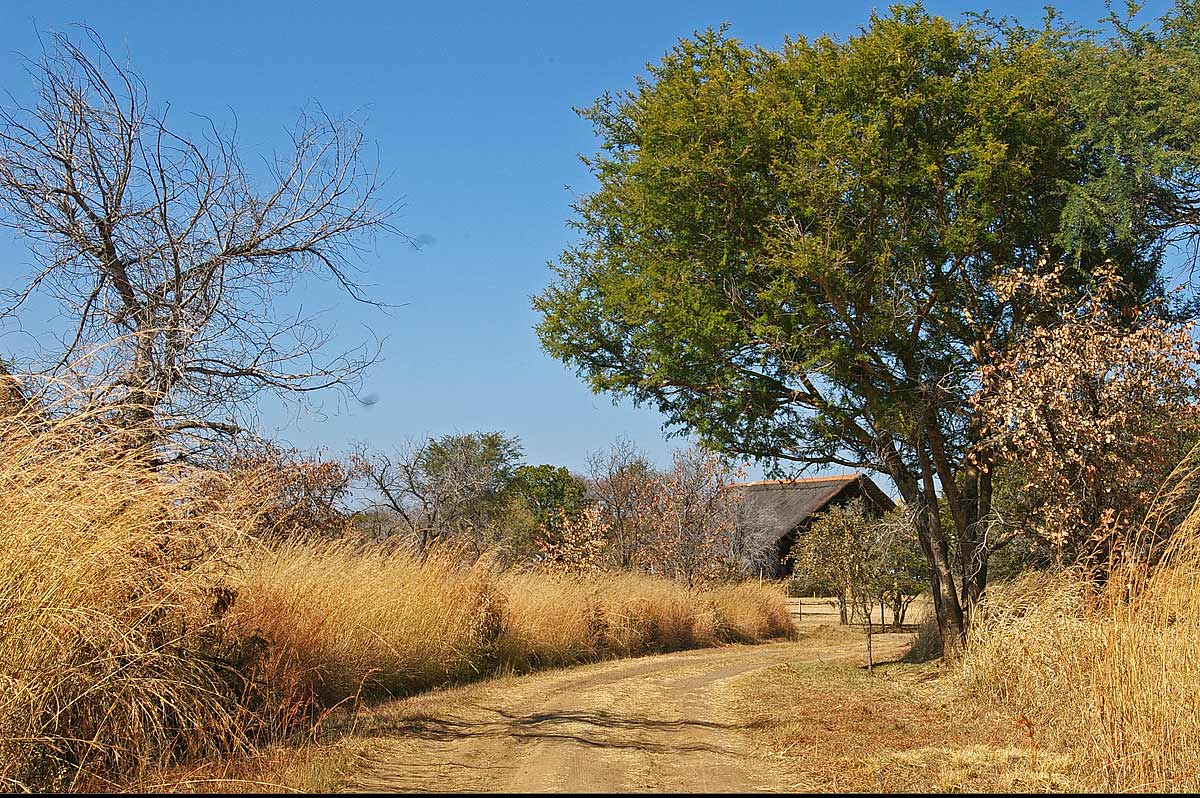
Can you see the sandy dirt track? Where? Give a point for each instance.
(654, 724)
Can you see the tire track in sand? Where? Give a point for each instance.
(653, 724)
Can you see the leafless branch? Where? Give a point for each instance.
(172, 256)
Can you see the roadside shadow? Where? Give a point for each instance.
(595, 729)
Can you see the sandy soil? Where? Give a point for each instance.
(658, 724)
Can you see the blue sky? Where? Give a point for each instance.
(470, 105)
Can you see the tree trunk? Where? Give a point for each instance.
(920, 492)
(983, 500)
(951, 623)
(945, 596)
(969, 509)
(870, 635)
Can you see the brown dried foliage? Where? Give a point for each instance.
(1094, 407)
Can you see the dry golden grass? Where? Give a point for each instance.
(141, 630)
(829, 727)
(340, 621)
(748, 612)
(296, 766)
(1116, 674)
(1120, 684)
(551, 621)
(643, 615)
(110, 656)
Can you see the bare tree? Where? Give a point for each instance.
(752, 545)
(687, 521)
(621, 480)
(455, 486)
(696, 531)
(405, 490)
(170, 256)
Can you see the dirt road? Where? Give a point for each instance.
(659, 724)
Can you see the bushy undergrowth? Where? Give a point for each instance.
(1113, 676)
(139, 626)
(111, 653)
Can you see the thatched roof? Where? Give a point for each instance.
(781, 505)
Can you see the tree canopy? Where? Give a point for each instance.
(550, 492)
(795, 254)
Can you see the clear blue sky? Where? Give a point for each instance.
(471, 107)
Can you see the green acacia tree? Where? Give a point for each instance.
(551, 492)
(542, 500)
(1134, 94)
(793, 253)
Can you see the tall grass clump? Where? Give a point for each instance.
(1114, 674)
(748, 612)
(111, 656)
(340, 620)
(551, 621)
(927, 645)
(646, 614)
(556, 620)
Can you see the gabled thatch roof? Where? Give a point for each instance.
(779, 506)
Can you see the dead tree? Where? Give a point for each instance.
(170, 256)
